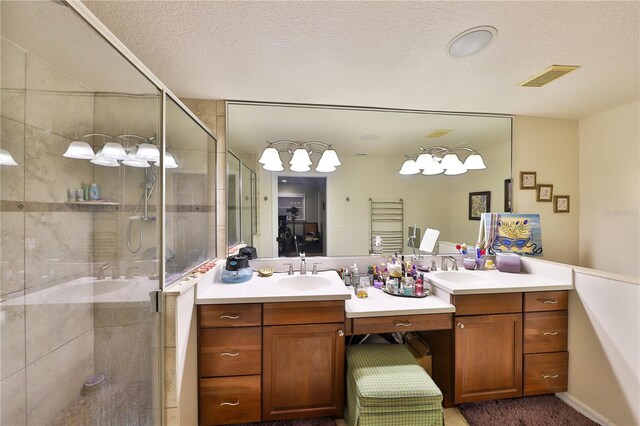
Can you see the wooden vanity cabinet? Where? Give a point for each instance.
(272, 361)
(303, 360)
(488, 347)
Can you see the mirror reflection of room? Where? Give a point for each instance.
(301, 216)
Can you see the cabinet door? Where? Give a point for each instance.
(303, 371)
(488, 357)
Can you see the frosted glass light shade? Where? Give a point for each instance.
(325, 166)
(269, 155)
(449, 161)
(424, 160)
(113, 151)
(6, 159)
(330, 157)
(274, 167)
(474, 162)
(300, 158)
(409, 167)
(79, 150)
(299, 168)
(133, 162)
(456, 169)
(148, 152)
(101, 161)
(433, 168)
(169, 161)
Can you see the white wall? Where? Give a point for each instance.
(604, 346)
(549, 147)
(610, 190)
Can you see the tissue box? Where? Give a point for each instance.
(508, 262)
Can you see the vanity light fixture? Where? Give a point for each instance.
(439, 159)
(301, 156)
(6, 159)
(135, 155)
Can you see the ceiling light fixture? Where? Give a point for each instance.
(301, 156)
(471, 41)
(439, 159)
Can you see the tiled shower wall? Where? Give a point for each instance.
(47, 348)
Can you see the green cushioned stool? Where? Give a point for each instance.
(386, 386)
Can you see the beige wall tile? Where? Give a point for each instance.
(171, 417)
(58, 245)
(205, 110)
(13, 399)
(170, 321)
(12, 80)
(52, 324)
(119, 314)
(117, 115)
(221, 108)
(47, 173)
(12, 335)
(56, 380)
(170, 380)
(12, 178)
(11, 252)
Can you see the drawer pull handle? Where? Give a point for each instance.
(549, 376)
(460, 325)
(549, 301)
(402, 324)
(550, 333)
(230, 403)
(230, 354)
(229, 316)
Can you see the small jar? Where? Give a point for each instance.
(469, 263)
(362, 290)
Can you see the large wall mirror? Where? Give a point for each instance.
(372, 145)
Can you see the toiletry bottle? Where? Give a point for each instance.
(355, 277)
(94, 192)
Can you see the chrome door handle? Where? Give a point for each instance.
(230, 403)
(402, 324)
(230, 354)
(549, 376)
(229, 316)
(550, 333)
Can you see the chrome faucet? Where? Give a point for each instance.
(314, 271)
(290, 272)
(454, 265)
(129, 274)
(303, 265)
(101, 270)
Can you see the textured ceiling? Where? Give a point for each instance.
(387, 54)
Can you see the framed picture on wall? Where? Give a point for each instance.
(544, 193)
(479, 202)
(527, 180)
(507, 195)
(561, 204)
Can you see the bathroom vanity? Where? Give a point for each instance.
(273, 348)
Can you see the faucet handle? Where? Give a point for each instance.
(443, 264)
(315, 268)
(433, 265)
(290, 272)
(454, 267)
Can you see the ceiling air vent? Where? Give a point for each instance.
(438, 133)
(548, 75)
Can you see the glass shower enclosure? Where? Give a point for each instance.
(107, 195)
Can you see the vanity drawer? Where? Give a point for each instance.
(546, 301)
(293, 313)
(546, 373)
(230, 400)
(230, 315)
(402, 323)
(545, 332)
(230, 351)
(483, 304)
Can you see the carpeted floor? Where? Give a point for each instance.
(545, 410)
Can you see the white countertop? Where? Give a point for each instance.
(265, 290)
(498, 282)
(380, 304)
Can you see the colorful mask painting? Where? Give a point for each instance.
(513, 233)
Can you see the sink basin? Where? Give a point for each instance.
(303, 282)
(458, 277)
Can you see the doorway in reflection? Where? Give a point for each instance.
(301, 216)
